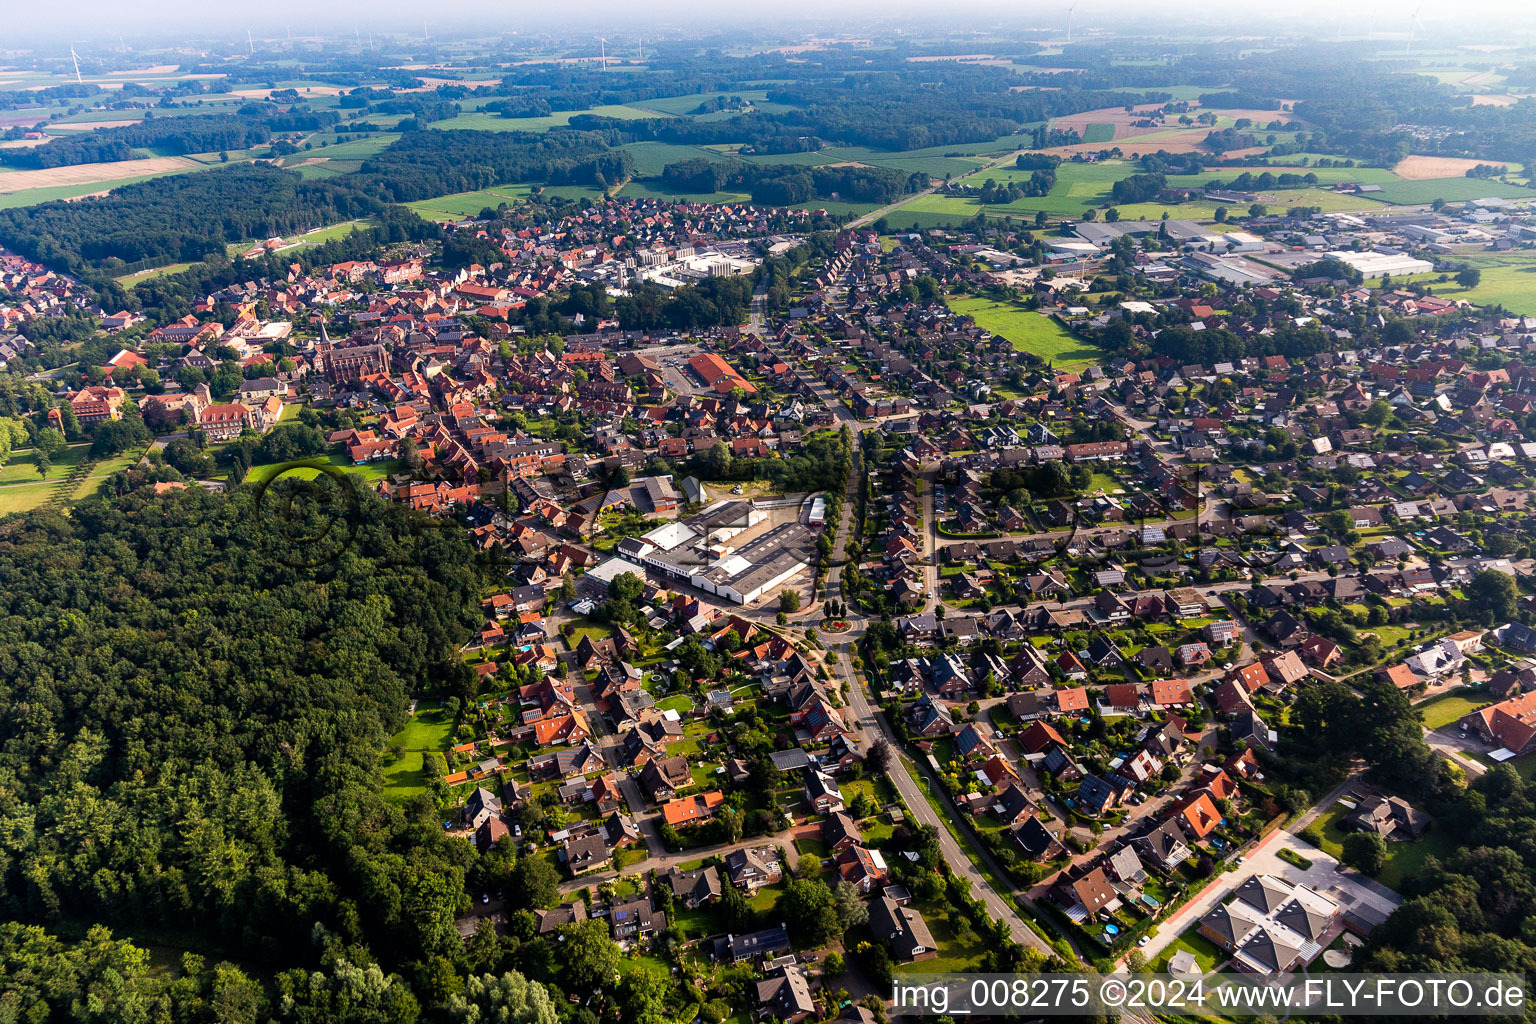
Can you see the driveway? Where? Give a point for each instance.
(1345, 887)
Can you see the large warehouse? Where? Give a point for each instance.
(697, 552)
(1379, 264)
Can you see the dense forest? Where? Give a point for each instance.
(901, 106)
(782, 184)
(420, 165)
(179, 217)
(195, 722)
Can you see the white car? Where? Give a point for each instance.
(1143, 940)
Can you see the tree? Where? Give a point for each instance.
(809, 910)
(409, 452)
(1366, 852)
(1492, 596)
(535, 882)
(508, 999)
(642, 995)
(832, 966)
(789, 600)
(48, 441)
(41, 462)
(849, 904)
(589, 958)
(1469, 277)
(879, 757)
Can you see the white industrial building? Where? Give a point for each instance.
(698, 551)
(1380, 264)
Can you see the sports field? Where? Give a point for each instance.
(1029, 331)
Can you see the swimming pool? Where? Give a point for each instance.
(1111, 929)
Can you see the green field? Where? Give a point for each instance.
(679, 106)
(462, 205)
(1452, 190)
(33, 196)
(338, 157)
(655, 188)
(486, 122)
(651, 158)
(103, 469)
(427, 730)
(25, 497)
(934, 160)
(18, 469)
(129, 280)
(956, 953)
(1099, 133)
(1028, 331)
(372, 473)
(1508, 279)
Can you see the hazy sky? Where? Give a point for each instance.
(26, 25)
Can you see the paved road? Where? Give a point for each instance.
(870, 218)
(665, 861)
(873, 723)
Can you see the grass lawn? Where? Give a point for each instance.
(812, 846)
(679, 702)
(657, 965)
(1028, 331)
(766, 898)
(428, 729)
(597, 631)
(462, 205)
(129, 280)
(1441, 711)
(878, 789)
(103, 469)
(695, 924)
(24, 497)
(19, 469)
(1207, 955)
(1403, 859)
(372, 473)
(1508, 279)
(651, 158)
(955, 954)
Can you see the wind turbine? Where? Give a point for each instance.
(603, 49)
(76, 58)
(1413, 21)
(1070, 11)
(250, 44)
